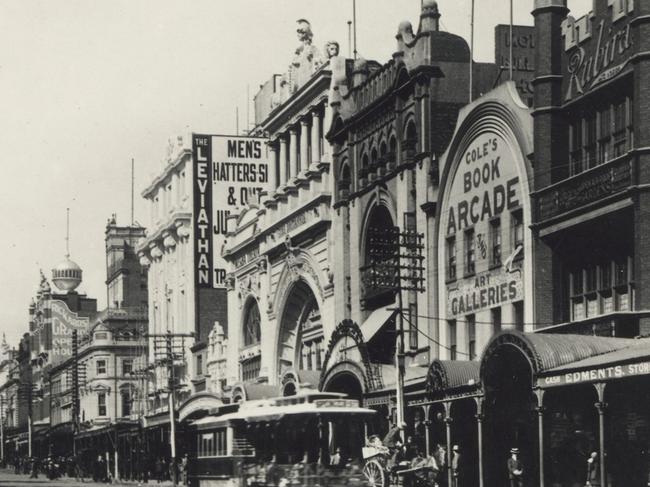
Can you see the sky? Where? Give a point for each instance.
(85, 86)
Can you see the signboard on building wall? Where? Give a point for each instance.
(482, 224)
(523, 57)
(63, 322)
(229, 173)
(598, 46)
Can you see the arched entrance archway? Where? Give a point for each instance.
(301, 331)
(510, 409)
(346, 383)
(379, 226)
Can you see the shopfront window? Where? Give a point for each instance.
(101, 404)
(599, 135)
(517, 222)
(101, 367)
(495, 242)
(470, 322)
(252, 330)
(600, 289)
(250, 368)
(470, 253)
(451, 330)
(496, 319)
(126, 403)
(451, 258)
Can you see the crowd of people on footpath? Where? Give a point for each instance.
(54, 467)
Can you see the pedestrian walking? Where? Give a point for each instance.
(593, 470)
(183, 468)
(456, 466)
(515, 469)
(158, 470)
(34, 468)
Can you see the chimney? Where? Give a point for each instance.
(430, 16)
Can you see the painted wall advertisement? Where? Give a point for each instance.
(64, 322)
(598, 46)
(479, 219)
(53, 324)
(523, 57)
(229, 173)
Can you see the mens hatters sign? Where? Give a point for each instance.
(229, 173)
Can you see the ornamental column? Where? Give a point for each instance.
(315, 137)
(293, 153)
(273, 164)
(479, 426)
(448, 421)
(304, 144)
(283, 161)
(540, 431)
(601, 405)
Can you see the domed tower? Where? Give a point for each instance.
(66, 275)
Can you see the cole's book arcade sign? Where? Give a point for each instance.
(230, 172)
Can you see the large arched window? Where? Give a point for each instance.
(409, 144)
(301, 341)
(252, 332)
(344, 180)
(376, 241)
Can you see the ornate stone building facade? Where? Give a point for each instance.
(390, 128)
(280, 298)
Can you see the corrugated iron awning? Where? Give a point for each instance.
(449, 377)
(547, 351)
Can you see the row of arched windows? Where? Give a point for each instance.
(378, 160)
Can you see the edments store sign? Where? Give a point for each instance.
(230, 172)
(595, 375)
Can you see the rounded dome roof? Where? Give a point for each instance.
(66, 275)
(67, 264)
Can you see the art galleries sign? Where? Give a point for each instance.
(229, 173)
(478, 219)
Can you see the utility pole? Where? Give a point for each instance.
(2, 429)
(170, 396)
(168, 356)
(393, 252)
(75, 390)
(29, 418)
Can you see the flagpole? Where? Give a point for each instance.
(510, 53)
(471, 53)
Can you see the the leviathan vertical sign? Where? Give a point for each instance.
(230, 172)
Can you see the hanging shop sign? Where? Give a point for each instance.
(598, 47)
(230, 172)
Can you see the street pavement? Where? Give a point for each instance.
(8, 478)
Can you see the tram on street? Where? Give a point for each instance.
(293, 440)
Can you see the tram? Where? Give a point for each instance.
(284, 441)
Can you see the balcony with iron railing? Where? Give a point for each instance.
(596, 186)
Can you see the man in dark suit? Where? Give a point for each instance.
(515, 469)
